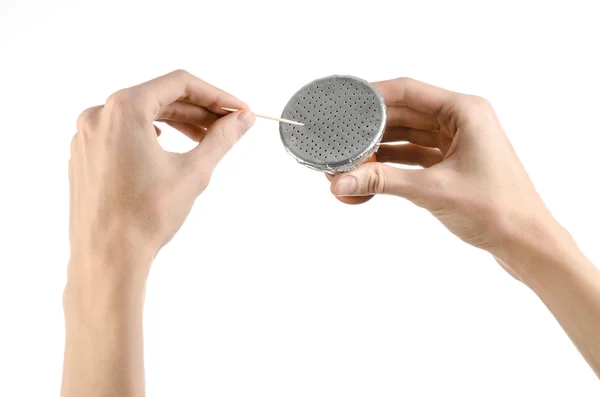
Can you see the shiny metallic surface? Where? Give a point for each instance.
(344, 120)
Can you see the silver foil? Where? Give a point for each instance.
(346, 117)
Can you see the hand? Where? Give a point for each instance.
(471, 180)
(128, 198)
(128, 195)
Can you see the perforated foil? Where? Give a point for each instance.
(344, 120)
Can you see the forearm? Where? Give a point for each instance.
(104, 342)
(552, 265)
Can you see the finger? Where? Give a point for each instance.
(195, 132)
(414, 94)
(88, 119)
(409, 154)
(74, 139)
(356, 199)
(377, 178)
(183, 86)
(158, 130)
(221, 137)
(418, 137)
(352, 200)
(187, 113)
(406, 117)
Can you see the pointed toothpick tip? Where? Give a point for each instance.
(267, 117)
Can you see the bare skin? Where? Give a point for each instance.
(474, 183)
(129, 197)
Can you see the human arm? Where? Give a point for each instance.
(474, 183)
(128, 197)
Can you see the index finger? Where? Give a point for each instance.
(183, 86)
(414, 94)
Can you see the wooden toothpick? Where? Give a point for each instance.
(267, 117)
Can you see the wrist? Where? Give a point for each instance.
(103, 308)
(534, 248)
(99, 284)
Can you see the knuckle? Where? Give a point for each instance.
(127, 101)
(85, 119)
(119, 99)
(463, 102)
(482, 101)
(223, 139)
(404, 80)
(376, 179)
(473, 107)
(181, 73)
(479, 102)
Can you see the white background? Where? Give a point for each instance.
(272, 287)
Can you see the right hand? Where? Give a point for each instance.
(128, 195)
(472, 180)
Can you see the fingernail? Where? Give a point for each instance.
(246, 118)
(346, 186)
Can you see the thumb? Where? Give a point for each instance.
(221, 136)
(378, 178)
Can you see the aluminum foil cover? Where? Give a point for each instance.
(344, 120)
